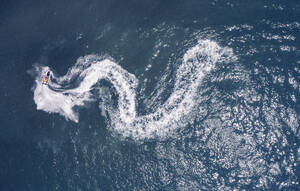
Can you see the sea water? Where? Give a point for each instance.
(150, 95)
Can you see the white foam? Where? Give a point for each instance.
(177, 110)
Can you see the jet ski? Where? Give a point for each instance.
(46, 78)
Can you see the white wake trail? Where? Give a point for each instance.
(175, 112)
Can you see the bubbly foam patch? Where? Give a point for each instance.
(177, 110)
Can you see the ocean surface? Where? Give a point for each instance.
(150, 95)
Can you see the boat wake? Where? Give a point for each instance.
(179, 109)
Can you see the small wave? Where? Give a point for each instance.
(177, 110)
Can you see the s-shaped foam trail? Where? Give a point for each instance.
(175, 112)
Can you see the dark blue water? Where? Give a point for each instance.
(241, 132)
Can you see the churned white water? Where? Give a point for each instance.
(175, 112)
